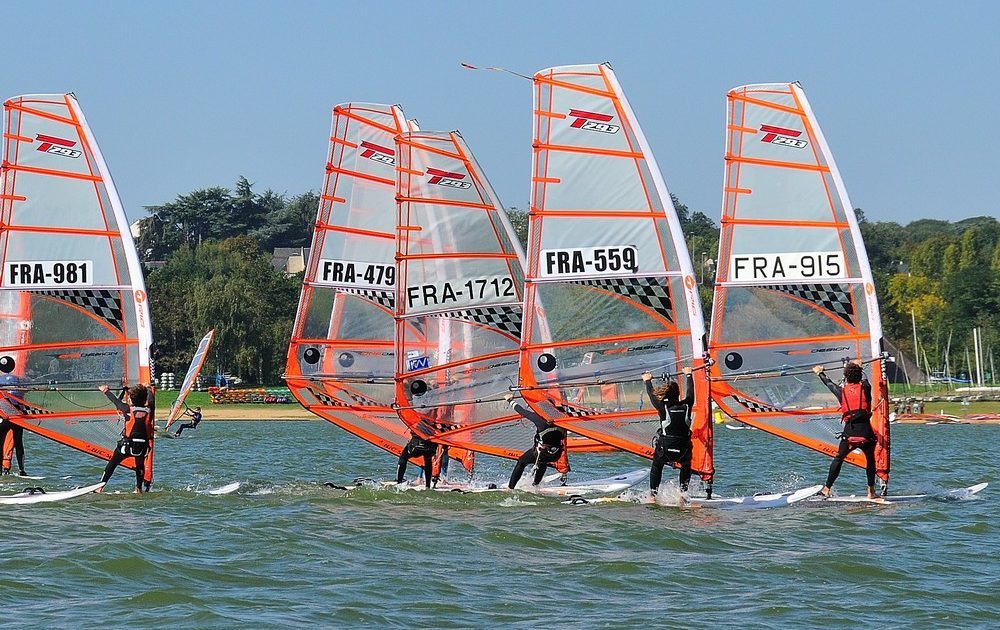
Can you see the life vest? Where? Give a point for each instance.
(562, 463)
(856, 415)
(440, 457)
(852, 398)
(135, 424)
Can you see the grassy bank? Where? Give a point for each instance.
(289, 411)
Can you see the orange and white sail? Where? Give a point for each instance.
(197, 361)
(794, 288)
(610, 289)
(458, 301)
(73, 306)
(341, 359)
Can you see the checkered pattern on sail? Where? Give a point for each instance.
(752, 405)
(651, 292)
(364, 401)
(504, 318)
(574, 411)
(835, 298)
(25, 408)
(383, 298)
(326, 400)
(105, 304)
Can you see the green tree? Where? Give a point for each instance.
(232, 287)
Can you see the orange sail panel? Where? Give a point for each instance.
(458, 302)
(794, 288)
(610, 289)
(341, 359)
(197, 361)
(73, 306)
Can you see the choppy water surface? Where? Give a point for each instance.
(286, 550)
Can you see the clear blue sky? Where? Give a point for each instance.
(184, 95)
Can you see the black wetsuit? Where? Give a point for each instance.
(417, 447)
(130, 445)
(845, 447)
(195, 419)
(18, 433)
(550, 441)
(673, 438)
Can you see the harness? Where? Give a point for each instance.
(676, 421)
(132, 444)
(673, 439)
(420, 446)
(545, 447)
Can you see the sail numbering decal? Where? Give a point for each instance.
(349, 273)
(794, 266)
(588, 261)
(470, 292)
(44, 273)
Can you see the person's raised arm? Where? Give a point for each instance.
(657, 404)
(866, 387)
(119, 405)
(688, 387)
(833, 387)
(526, 412)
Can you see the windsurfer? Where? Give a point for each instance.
(673, 438)
(417, 447)
(137, 434)
(195, 415)
(855, 407)
(549, 447)
(17, 433)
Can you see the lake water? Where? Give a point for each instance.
(285, 550)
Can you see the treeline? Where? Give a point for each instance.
(945, 277)
(208, 257)
(209, 266)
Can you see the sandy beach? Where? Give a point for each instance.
(263, 412)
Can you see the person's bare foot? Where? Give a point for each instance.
(825, 492)
(137, 491)
(99, 490)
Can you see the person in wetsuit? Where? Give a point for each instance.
(136, 436)
(673, 438)
(550, 445)
(195, 419)
(856, 412)
(17, 431)
(417, 447)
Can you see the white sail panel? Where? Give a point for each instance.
(197, 361)
(794, 288)
(73, 297)
(459, 299)
(341, 360)
(610, 289)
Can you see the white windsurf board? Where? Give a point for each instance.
(41, 496)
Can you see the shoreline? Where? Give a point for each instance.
(267, 413)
